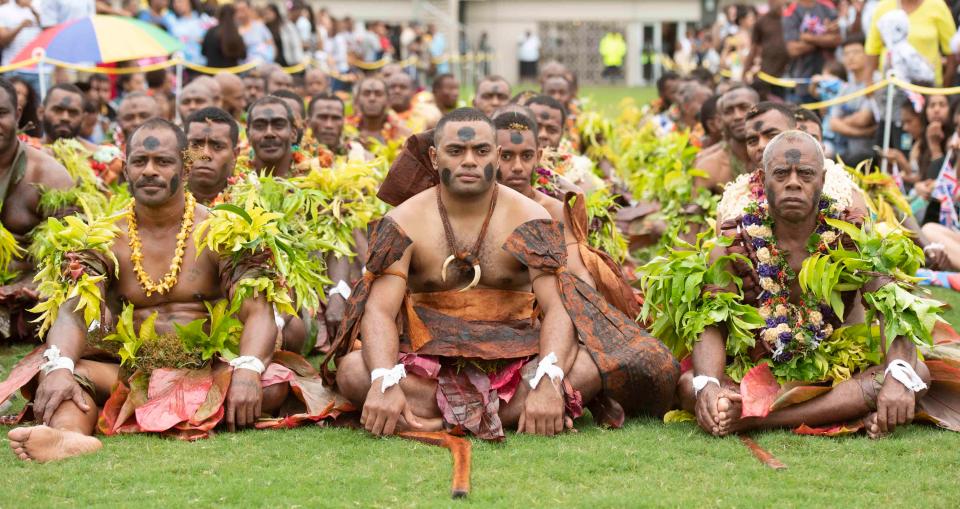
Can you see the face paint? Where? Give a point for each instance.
(488, 172)
(174, 184)
(544, 115)
(65, 102)
(516, 138)
(151, 143)
(445, 176)
(793, 156)
(499, 175)
(466, 133)
(758, 125)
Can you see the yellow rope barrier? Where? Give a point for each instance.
(19, 65)
(925, 90)
(773, 80)
(844, 98)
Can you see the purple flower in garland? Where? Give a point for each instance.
(766, 270)
(785, 337)
(784, 356)
(750, 219)
(773, 321)
(758, 243)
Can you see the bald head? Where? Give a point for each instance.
(315, 82)
(203, 92)
(279, 80)
(231, 93)
(400, 91)
(134, 111)
(793, 177)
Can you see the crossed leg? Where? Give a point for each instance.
(69, 432)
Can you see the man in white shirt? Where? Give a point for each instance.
(529, 56)
(54, 12)
(19, 26)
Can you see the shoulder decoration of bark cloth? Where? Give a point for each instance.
(477, 343)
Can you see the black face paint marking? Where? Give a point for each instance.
(793, 156)
(446, 176)
(174, 184)
(488, 172)
(466, 133)
(516, 138)
(65, 102)
(151, 143)
(544, 115)
(499, 175)
(496, 89)
(758, 126)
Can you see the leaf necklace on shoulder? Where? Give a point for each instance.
(136, 249)
(468, 257)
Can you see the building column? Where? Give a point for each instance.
(633, 62)
(657, 50)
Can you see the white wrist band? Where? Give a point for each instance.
(390, 376)
(342, 289)
(933, 245)
(248, 362)
(903, 372)
(54, 361)
(701, 381)
(547, 367)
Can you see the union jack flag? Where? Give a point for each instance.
(944, 190)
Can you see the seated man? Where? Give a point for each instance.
(134, 110)
(373, 119)
(295, 102)
(272, 133)
(254, 87)
(783, 228)
(202, 92)
(492, 93)
(416, 116)
(231, 94)
(315, 81)
(62, 115)
(729, 159)
(23, 171)
(467, 351)
(72, 386)
(519, 157)
(446, 93)
(325, 120)
(212, 138)
(279, 80)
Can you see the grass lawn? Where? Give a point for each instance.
(646, 464)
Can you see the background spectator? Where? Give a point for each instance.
(19, 25)
(256, 36)
(528, 53)
(223, 46)
(931, 27)
(285, 37)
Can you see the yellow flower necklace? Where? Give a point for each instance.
(170, 279)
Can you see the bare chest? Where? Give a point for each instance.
(498, 269)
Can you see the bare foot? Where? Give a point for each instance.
(872, 428)
(728, 411)
(43, 443)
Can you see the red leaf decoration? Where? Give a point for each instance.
(175, 395)
(798, 394)
(830, 431)
(22, 373)
(759, 390)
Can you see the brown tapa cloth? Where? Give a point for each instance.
(607, 275)
(637, 370)
(411, 172)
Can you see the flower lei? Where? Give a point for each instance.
(791, 330)
(170, 279)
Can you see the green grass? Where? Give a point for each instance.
(646, 464)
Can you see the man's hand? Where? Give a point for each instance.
(56, 388)
(333, 316)
(936, 257)
(382, 410)
(243, 399)
(706, 409)
(543, 410)
(895, 405)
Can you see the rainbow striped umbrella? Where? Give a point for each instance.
(102, 39)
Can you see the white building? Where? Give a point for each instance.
(570, 29)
